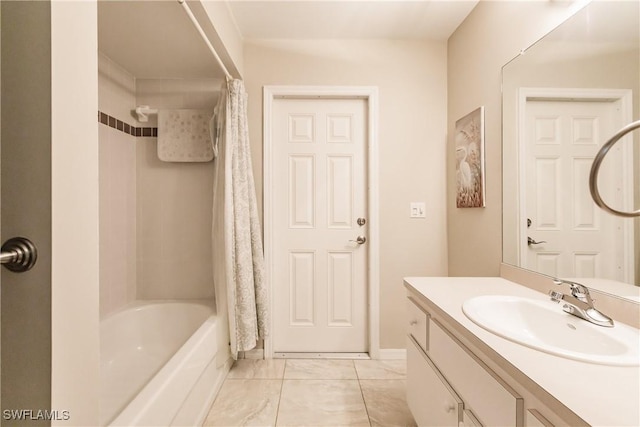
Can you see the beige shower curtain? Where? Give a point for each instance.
(241, 294)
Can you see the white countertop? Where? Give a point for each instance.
(599, 394)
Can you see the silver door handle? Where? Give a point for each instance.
(359, 240)
(530, 241)
(18, 254)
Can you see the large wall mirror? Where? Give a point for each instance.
(563, 98)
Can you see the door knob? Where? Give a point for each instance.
(18, 254)
(359, 240)
(361, 221)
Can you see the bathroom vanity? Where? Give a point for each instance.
(460, 374)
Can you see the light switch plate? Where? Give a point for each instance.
(417, 210)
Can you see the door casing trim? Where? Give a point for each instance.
(370, 94)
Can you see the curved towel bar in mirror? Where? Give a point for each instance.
(595, 168)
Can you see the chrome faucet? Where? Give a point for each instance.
(579, 303)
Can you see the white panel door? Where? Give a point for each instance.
(319, 192)
(581, 240)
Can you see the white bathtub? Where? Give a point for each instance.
(158, 364)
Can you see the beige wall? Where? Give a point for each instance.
(411, 77)
(493, 34)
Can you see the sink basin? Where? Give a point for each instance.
(543, 325)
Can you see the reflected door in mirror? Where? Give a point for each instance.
(561, 140)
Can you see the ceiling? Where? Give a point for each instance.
(155, 39)
(350, 19)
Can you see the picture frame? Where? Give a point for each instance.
(469, 155)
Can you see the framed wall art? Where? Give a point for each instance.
(469, 143)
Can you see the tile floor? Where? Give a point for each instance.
(312, 392)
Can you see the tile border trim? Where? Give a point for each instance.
(117, 124)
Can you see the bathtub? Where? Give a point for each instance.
(158, 364)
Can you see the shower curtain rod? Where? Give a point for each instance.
(187, 9)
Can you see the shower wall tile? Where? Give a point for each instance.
(177, 94)
(157, 93)
(155, 217)
(104, 82)
(117, 219)
(174, 201)
(116, 99)
(116, 89)
(107, 258)
(201, 93)
(174, 226)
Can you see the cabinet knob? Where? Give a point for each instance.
(449, 407)
(413, 322)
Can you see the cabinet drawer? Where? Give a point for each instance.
(418, 324)
(431, 400)
(492, 401)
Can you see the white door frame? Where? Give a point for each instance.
(625, 97)
(370, 94)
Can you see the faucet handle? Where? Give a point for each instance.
(577, 290)
(556, 296)
(579, 303)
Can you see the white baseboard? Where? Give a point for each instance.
(393, 353)
(384, 353)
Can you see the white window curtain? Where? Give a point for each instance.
(241, 293)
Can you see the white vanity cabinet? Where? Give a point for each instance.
(495, 381)
(448, 385)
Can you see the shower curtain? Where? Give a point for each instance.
(238, 265)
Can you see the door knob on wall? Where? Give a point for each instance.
(18, 254)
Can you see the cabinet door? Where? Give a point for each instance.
(418, 324)
(431, 400)
(490, 398)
